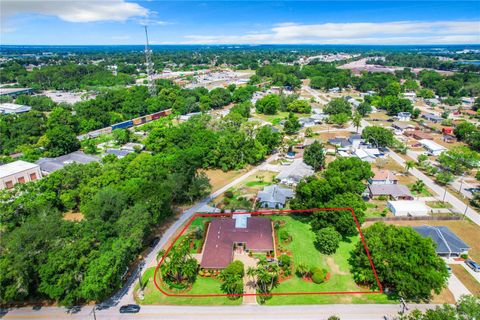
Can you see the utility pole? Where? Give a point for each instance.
(149, 64)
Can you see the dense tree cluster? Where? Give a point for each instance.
(422, 61)
(340, 186)
(406, 263)
(469, 133)
(378, 136)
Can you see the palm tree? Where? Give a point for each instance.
(418, 186)
(251, 273)
(409, 165)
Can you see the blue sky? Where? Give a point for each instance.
(239, 22)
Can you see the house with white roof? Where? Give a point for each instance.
(432, 147)
(408, 208)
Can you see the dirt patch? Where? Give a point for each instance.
(445, 296)
(73, 216)
(334, 267)
(219, 178)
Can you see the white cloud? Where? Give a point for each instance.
(75, 10)
(397, 32)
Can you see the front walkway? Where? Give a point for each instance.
(248, 283)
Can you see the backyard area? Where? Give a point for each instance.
(303, 251)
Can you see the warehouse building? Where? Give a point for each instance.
(18, 172)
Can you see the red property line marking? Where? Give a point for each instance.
(268, 212)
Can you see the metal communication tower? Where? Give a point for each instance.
(149, 64)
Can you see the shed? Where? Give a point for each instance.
(408, 208)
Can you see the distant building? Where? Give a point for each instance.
(408, 208)
(13, 108)
(393, 191)
(292, 174)
(383, 177)
(419, 135)
(13, 92)
(448, 244)
(432, 117)
(432, 148)
(18, 172)
(274, 197)
(49, 165)
(118, 153)
(404, 116)
(401, 127)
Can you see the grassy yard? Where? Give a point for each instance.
(467, 279)
(304, 251)
(201, 286)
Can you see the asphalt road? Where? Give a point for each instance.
(317, 312)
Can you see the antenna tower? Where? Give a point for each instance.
(149, 64)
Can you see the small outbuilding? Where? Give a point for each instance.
(408, 208)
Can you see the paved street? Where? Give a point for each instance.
(243, 312)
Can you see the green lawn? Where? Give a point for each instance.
(201, 286)
(304, 251)
(257, 183)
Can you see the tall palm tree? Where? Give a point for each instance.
(357, 120)
(409, 165)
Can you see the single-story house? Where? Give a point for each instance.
(368, 154)
(339, 142)
(241, 233)
(419, 135)
(404, 116)
(49, 165)
(382, 176)
(118, 153)
(307, 122)
(448, 244)
(432, 117)
(408, 208)
(432, 101)
(402, 127)
(432, 148)
(274, 196)
(13, 92)
(393, 191)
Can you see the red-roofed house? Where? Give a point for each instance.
(383, 177)
(242, 232)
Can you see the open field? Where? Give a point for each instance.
(202, 285)
(219, 178)
(467, 279)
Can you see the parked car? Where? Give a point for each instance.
(130, 308)
(473, 265)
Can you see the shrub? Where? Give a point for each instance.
(464, 256)
(315, 270)
(228, 194)
(284, 235)
(284, 261)
(318, 277)
(327, 240)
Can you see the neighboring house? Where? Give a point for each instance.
(293, 173)
(355, 140)
(18, 172)
(419, 135)
(393, 191)
(49, 165)
(432, 117)
(240, 233)
(13, 108)
(432, 101)
(334, 90)
(307, 122)
(339, 142)
(402, 127)
(382, 177)
(408, 208)
(185, 117)
(274, 197)
(432, 148)
(448, 244)
(404, 116)
(368, 154)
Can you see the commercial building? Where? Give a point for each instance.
(432, 148)
(13, 108)
(13, 92)
(408, 208)
(241, 233)
(448, 244)
(18, 172)
(49, 165)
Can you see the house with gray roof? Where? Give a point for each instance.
(274, 197)
(393, 191)
(448, 244)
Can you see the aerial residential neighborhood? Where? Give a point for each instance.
(243, 160)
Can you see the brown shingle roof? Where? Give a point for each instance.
(222, 234)
(381, 174)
